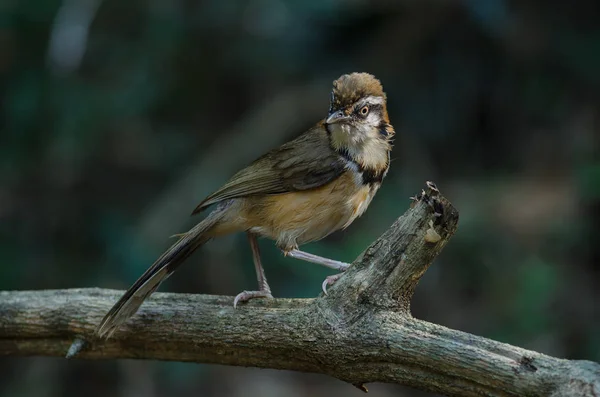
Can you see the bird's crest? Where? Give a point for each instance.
(349, 88)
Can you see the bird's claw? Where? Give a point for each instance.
(330, 280)
(245, 296)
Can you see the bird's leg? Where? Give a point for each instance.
(264, 291)
(319, 260)
(330, 263)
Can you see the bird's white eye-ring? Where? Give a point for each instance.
(364, 110)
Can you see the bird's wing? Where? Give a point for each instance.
(305, 163)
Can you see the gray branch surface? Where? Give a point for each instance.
(361, 332)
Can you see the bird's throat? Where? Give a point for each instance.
(366, 147)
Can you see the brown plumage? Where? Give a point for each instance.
(349, 88)
(300, 192)
(289, 168)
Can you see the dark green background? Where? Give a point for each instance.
(117, 117)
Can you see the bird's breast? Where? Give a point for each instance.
(299, 217)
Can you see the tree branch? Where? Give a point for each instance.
(361, 332)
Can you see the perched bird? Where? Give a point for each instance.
(300, 192)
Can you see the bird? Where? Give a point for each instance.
(300, 192)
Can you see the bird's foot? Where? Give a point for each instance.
(330, 280)
(245, 296)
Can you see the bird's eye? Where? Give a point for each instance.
(364, 111)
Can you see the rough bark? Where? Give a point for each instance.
(361, 332)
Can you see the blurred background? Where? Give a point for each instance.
(117, 118)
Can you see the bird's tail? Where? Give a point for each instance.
(162, 268)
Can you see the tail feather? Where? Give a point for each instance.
(162, 268)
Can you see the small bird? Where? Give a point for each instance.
(300, 192)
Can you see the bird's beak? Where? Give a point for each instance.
(337, 117)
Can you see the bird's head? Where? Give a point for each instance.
(358, 119)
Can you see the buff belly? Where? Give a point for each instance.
(292, 219)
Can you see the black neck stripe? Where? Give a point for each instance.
(369, 175)
(346, 155)
(383, 129)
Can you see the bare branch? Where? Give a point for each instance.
(361, 332)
